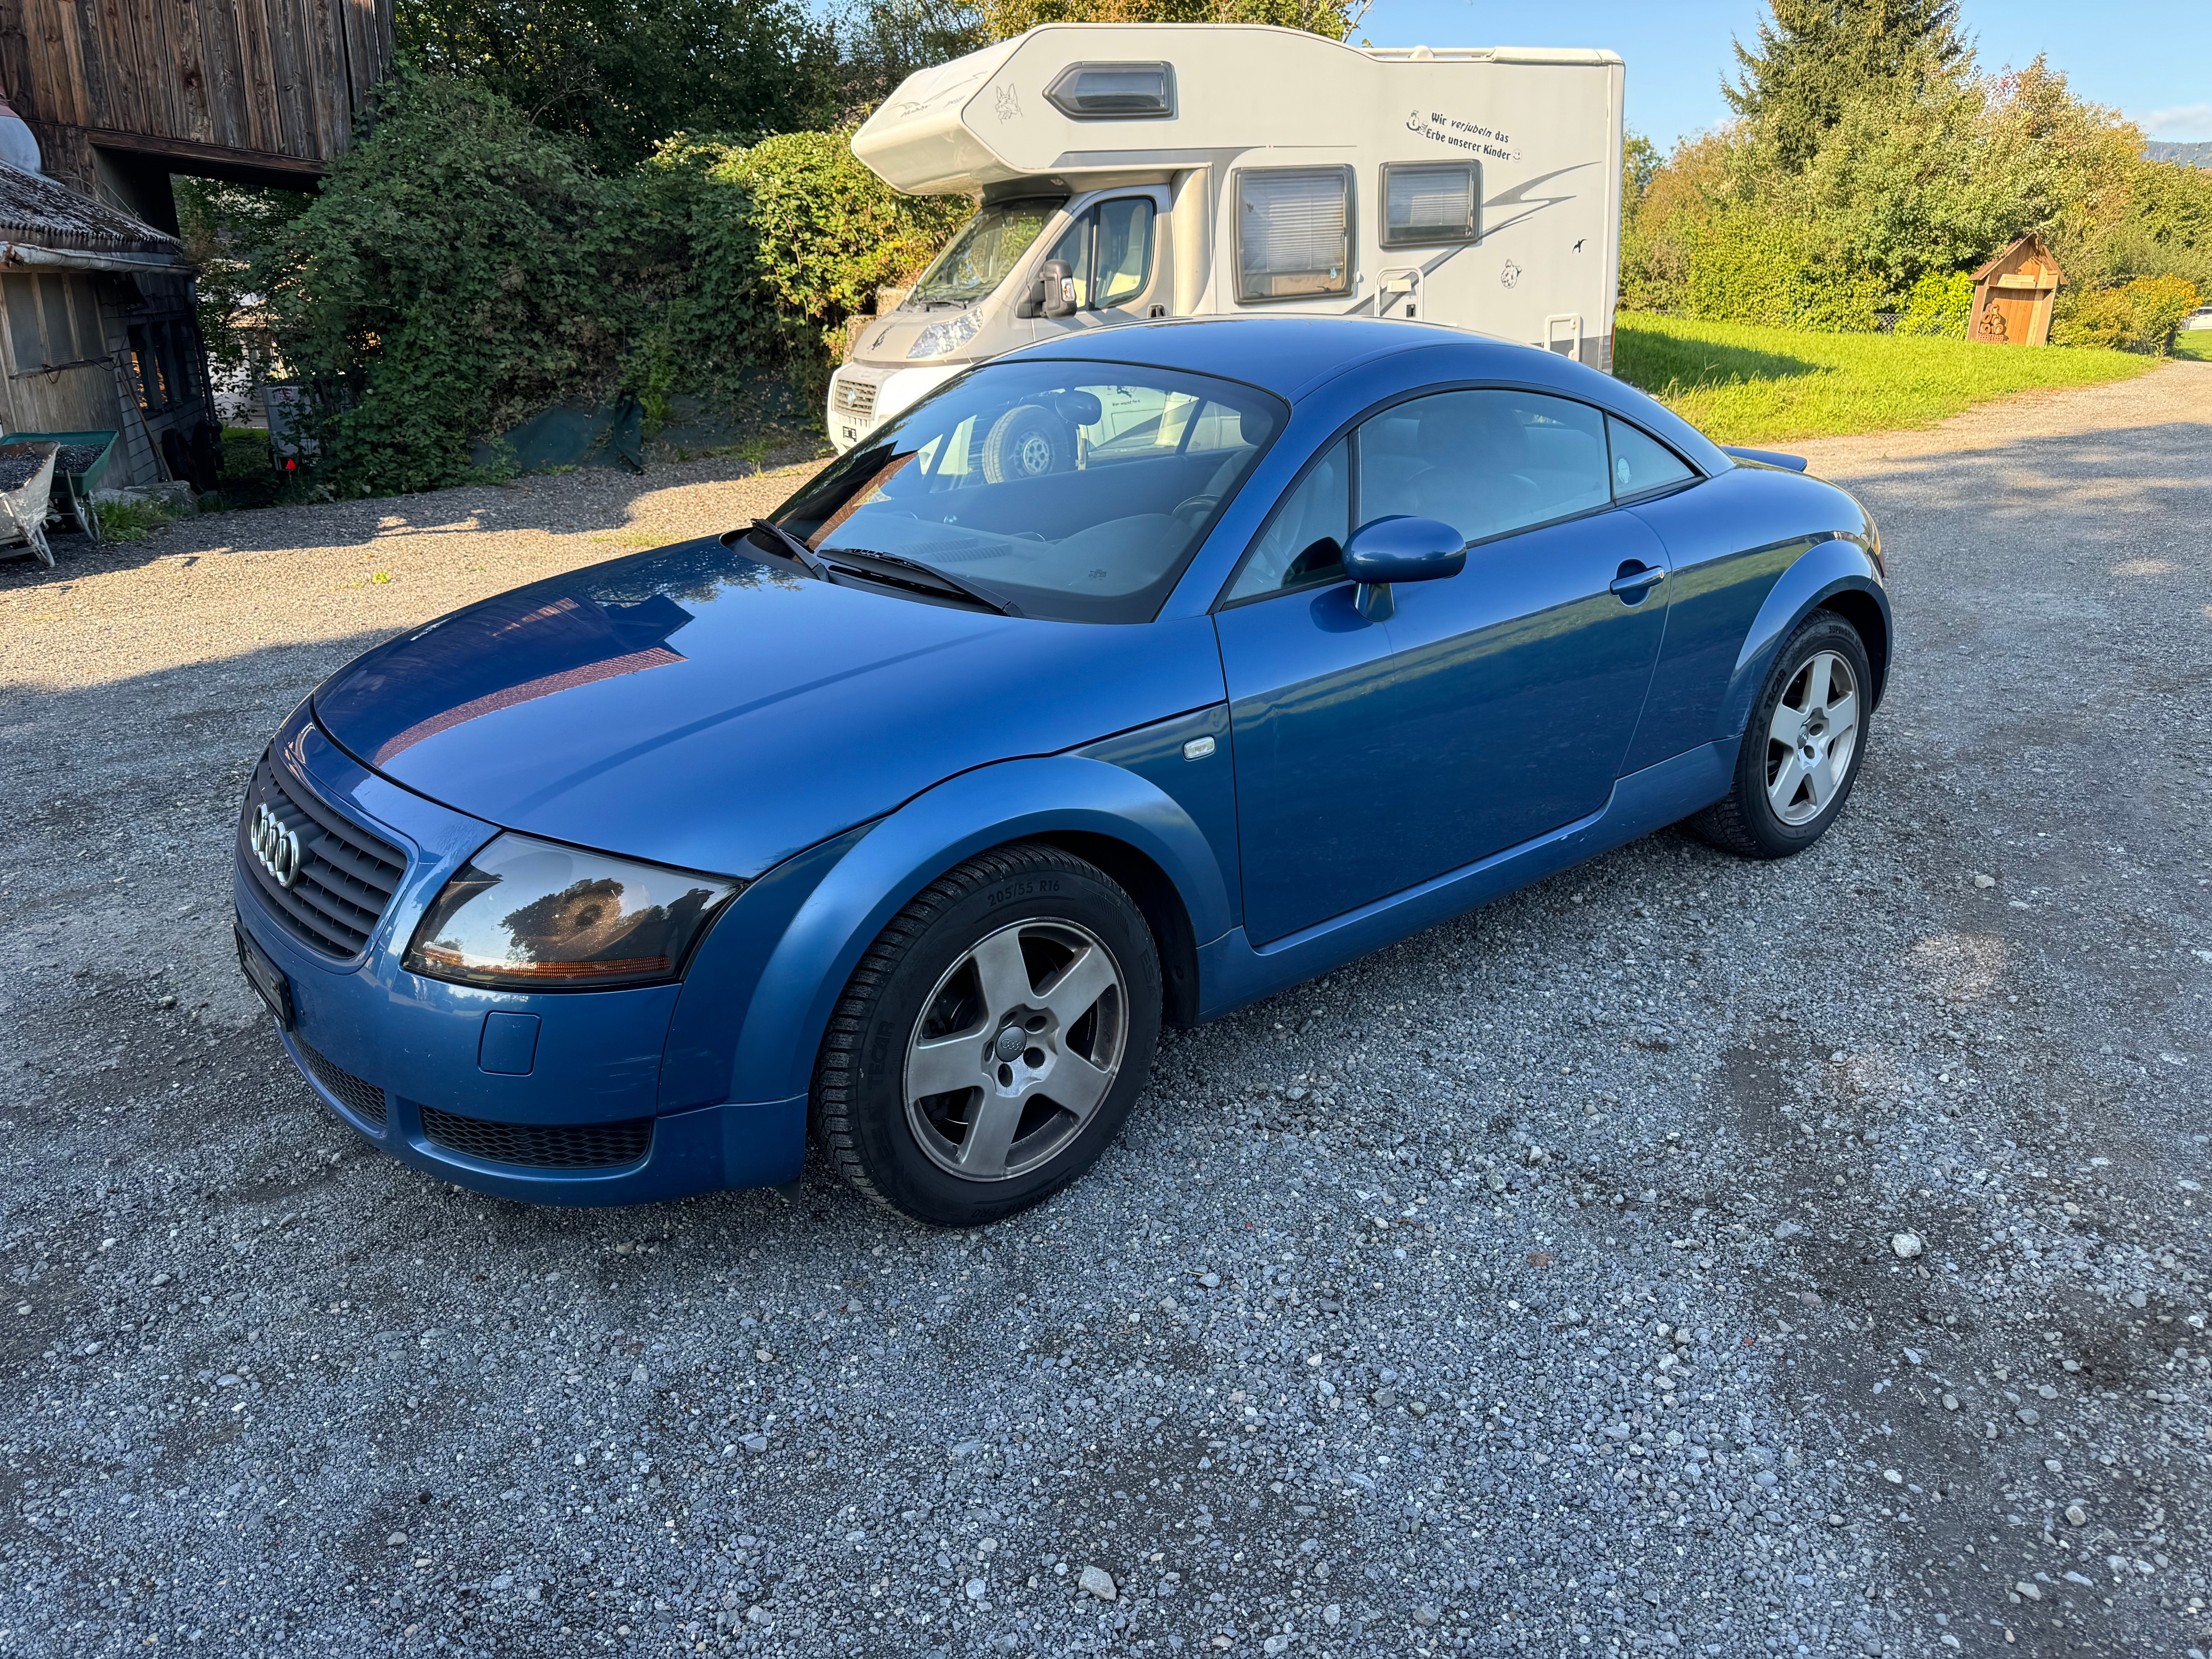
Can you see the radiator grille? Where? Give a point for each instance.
(346, 877)
(541, 1146)
(358, 1095)
(855, 397)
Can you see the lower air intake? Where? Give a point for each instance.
(540, 1145)
(358, 1095)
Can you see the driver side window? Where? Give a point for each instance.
(1485, 463)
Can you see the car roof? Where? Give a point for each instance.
(1295, 356)
(1287, 356)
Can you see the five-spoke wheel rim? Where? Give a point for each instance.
(1015, 1050)
(1811, 739)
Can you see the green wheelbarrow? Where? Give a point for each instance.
(81, 461)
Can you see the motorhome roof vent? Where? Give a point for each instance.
(1114, 92)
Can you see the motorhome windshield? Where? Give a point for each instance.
(1074, 491)
(977, 260)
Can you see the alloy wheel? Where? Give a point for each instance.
(1015, 1050)
(1811, 737)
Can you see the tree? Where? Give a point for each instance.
(621, 75)
(1813, 56)
(1003, 19)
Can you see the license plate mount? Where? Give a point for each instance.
(266, 978)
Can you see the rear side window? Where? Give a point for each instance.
(1294, 232)
(1641, 463)
(1429, 204)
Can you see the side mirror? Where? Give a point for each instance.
(1058, 281)
(1399, 548)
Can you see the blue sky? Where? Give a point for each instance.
(2152, 58)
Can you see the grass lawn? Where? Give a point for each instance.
(1739, 384)
(2195, 342)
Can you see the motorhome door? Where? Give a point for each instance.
(1114, 244)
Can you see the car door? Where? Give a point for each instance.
(1492, 706)
(1112, 247)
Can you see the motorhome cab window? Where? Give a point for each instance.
(1425, 203)
(977, 260)
(1294, 232)
(1109, 249)
(1114, 92)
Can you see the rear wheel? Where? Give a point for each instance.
(1801, 748)
(990, 1042)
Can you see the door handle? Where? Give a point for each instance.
(1635, 582)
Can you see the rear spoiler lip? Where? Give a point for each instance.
(1765, 458)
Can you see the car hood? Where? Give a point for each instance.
(699, 708)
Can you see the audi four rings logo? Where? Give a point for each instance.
(277, 847)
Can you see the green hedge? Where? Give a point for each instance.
(462, 268)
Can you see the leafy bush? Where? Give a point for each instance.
(779, 242)
(2138, 316)
(1938, 304)
(2159, 304)
(458, 269)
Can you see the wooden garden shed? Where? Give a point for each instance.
(2013, 294)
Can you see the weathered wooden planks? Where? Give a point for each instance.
(281, 80)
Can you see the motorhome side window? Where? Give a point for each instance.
(1110, 250)
(1294, 232)
(1431, 204)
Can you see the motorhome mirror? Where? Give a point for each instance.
(1059, 282)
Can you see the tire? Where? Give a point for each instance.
(1056, 1054)
(1028, 442)
(1801, 748)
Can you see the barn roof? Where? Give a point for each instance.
(37, 213)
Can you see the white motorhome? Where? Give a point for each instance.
(1196, 170)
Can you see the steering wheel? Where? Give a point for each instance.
(1197, 507)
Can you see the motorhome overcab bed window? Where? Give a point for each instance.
(1294, 232)
(1114, 92)
(1431, 204)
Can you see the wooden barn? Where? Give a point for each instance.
(114, 97)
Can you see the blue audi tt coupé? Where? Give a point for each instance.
(1124, 679)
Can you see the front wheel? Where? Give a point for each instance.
(990, 1042)
(1801, 748)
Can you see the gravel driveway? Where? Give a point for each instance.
(1684, 1256)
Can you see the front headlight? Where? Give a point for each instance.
(941, 338)
(530, 914)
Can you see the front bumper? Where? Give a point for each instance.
(430, 1072)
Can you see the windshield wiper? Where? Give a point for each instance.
(949, 582)
(797, 548)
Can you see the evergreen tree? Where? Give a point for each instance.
(1813, 56)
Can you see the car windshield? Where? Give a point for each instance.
(977, 260)
(1072, 490)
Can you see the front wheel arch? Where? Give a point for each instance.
(1858, 607)
(1163, 911)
